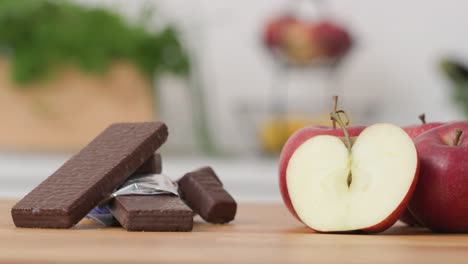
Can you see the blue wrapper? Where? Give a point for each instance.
(103, 216)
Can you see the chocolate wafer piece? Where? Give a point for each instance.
(152, 165)
(152, 213)
(203, 191)
(82, 182)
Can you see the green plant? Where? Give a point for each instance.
(457, 72)
(41, 36)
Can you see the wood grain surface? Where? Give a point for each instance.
(261, 233)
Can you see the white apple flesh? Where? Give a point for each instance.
(334, 189)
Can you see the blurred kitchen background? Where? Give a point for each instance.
(232, 79)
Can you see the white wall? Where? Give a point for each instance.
(391, 76)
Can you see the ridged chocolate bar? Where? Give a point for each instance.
(152, 165)
(64, 198)
(203, 191)
(152, 213)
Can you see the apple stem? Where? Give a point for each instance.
(422, 117)
(458, 134)
(334, 108)
(336, 117)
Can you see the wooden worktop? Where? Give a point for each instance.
(261, 233)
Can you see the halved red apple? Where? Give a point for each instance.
(335, 186)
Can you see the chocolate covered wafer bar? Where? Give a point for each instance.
(203, 191)
(152, 213)
(152, 165)
(82, 182)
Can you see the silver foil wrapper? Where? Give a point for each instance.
(142, 184)
(147, 184)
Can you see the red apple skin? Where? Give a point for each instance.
(440, 201)
(414, 131)
(409, 219)
(294, 142)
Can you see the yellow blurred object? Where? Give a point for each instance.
(275, 132)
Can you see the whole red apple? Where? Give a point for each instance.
(414, 131)
(440, 201)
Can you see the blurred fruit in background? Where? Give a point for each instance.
(301, 42)
(274, 29)
(274, 132)
(334, 41)
(298, 44)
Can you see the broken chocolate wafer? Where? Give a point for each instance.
(152, 213)
(82, 182)
(203, 191)
(152, 165)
